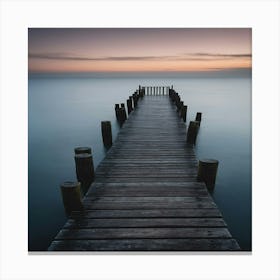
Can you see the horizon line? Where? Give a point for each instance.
(208, 70)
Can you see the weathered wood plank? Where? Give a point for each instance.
(144, 222)
(146, 245)
(147, 205)
(154, 213)
(130, 233)
(147, 199)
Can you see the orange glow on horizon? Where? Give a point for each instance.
(137, 66)
(138, 50)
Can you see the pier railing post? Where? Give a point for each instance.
(71, 196)
(207, 171)
(84, 170)
(106, 130)
(192, 132)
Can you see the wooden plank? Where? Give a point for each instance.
(135, 192)
(159, 185)
(147, 199)
(151, 213)
(130, 233)
(146, 245)
(147, 205)
(144, 222)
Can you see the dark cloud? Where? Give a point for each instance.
(59, 56)
(220, 55)
(187, 56)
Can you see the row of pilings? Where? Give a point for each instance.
(72, 192)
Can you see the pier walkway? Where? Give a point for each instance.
(145, 196)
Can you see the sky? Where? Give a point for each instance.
(52, 50)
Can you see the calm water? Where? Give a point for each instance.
(66, 111)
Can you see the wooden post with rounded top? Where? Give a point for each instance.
(71, 196)
(192, 132)
(207, 171)
(84, 169)
(82, 150)
(106, 130)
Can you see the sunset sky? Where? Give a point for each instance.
(143, 49)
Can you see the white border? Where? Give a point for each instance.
(262, 16)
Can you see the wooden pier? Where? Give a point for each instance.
(145, 195)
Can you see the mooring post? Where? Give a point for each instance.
(117, 108)
(172, 87)
(122, 116)
(192, 132)
(84, 170)
(134, 96)
(177, 100)
(207, 171)
(71, 196)
(198, 117)
(106, 130)
(82, 150)
(123, 106)
(129, 105)
(180, 105)
(184, 112)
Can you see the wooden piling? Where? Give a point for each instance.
(117, 108)
(184, 113)
(106, 130)
(207, 171)
(84, 170)
(82, 150)
(123, 116)
(135, 100)
(180, 105)
(129, 105)
(198, 117)
(192, 132)
(71, 196)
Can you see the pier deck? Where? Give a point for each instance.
(145, 196)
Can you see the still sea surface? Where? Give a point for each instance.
(65, 111)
